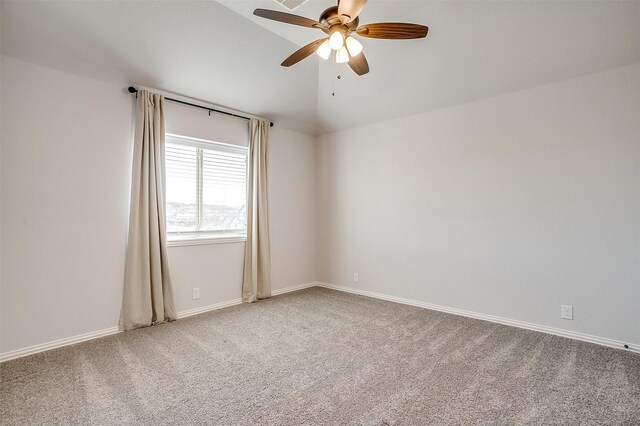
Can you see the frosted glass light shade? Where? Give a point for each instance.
(324, 50)
(342, 56)
(336, 40)
(354, 46)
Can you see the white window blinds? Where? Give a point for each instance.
(206, 187)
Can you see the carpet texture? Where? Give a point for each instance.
(319, 356)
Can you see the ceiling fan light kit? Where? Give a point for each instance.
(339, 22)
(324, 50)
(342, 56)
(336, 40)
(354, 46)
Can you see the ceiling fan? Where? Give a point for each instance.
(339, 22)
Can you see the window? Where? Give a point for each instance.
(206, 190)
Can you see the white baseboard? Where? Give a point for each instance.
(633, 347)
(19, 353)
(203, 309)
(293, 288)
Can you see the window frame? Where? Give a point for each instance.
(188, 238)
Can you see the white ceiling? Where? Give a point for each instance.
(193, 48)
(474, 50)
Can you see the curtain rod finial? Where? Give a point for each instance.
(132, 89)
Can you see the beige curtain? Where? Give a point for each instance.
(257, 259)
(148, 296)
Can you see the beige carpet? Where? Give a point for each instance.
(323, 357)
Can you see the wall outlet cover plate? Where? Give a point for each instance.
(566, 312)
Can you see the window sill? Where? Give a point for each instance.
(205, 240)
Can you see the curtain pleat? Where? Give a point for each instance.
(257, 260)
(148, 294)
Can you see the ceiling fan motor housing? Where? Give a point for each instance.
(331, 18)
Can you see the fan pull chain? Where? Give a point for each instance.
(339, 77)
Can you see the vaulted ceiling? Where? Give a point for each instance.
(220, 52)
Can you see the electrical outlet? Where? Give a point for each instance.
(355, 277)
(566, 312)
(196, 293)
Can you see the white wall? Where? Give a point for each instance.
(510, 206)
(292, 208)
(0, 194)
(66, 166)
(65, 172)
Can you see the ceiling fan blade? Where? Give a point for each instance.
(288, 18)
(348, 10)
(359, 64)
(393, 30)
(302, 53)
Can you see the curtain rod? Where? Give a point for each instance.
(132, 89)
